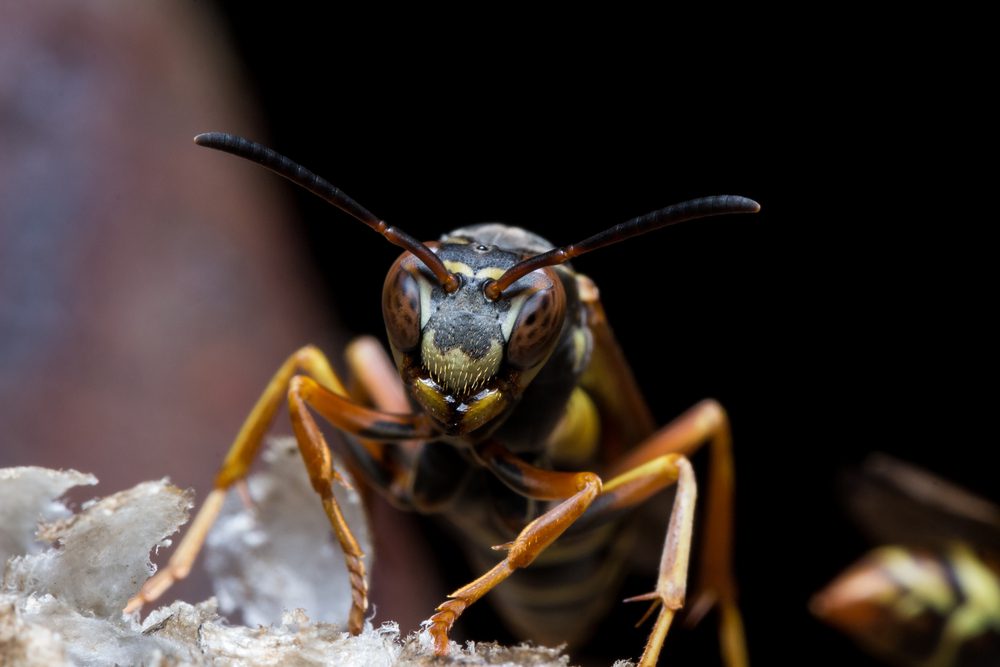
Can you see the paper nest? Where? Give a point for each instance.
(67, 576)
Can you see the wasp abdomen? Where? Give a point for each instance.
(920, 608)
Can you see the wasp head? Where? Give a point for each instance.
(467, 358)
(471, 324)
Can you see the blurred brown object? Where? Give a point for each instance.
(143, 304)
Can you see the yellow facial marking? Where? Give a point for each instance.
(425, 298)
(457, 371)
(511, 318)
(491, 272)
(459, 267)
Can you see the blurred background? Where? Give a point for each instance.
(148, 288)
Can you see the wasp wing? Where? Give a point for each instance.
(898, 503)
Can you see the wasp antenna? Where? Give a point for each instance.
(281, 165)
(696, 208)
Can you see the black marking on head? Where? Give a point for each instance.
(473, 334)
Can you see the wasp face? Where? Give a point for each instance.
(467, 359)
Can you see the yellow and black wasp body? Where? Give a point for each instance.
(929, 596)
(512, 413)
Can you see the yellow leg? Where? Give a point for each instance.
(637, 485)
(234, 468)
(704, 423)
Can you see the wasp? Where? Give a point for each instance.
(508, 408)
(930, 595)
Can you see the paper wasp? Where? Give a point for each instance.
(510, 410)
(930, 595)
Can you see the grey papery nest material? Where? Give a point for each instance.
(66, 577)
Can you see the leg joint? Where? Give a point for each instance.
(712, 415)
(298, 386)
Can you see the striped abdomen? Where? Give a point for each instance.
(919, 608)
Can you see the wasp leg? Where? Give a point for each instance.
(705, 422)
(375, 381)
(315, 453)
(234, 468)
(637, 485)
(356, 420)
(376, 374)
(579, 491)
(624, 491)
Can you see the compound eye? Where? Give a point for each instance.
(401, 307)
(537, 327)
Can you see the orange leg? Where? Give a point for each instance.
(579, 489)
(374, 370)
(375, 381)
(329, 392)
(316, 454)
(356, 420)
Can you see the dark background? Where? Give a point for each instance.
(848, 316)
